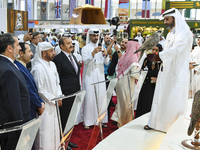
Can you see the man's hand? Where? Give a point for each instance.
(116, 47)
(190, 65)
(110, 56)
(27, 37)
(80, 63)
(60, 103)
(114, 38)
(41, 110)
(109, 48)
(154, 79)
(104, 52)
(96, 50)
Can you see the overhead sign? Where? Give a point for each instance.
(151, 22)
(183, 4)
(123, 11)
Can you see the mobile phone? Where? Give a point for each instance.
(30, 30)
(195, 64)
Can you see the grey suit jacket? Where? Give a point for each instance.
(32, 49)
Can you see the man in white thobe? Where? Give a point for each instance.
(171, 92)
(46, 77)
(93, 58)
(195, 60)
(162, 41)
(139, 38)
(76, 50)
(77, 55)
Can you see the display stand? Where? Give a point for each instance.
(66, 134)
(28, 133)
(101, 112)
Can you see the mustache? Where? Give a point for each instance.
(71, 47)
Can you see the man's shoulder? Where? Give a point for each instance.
(19, 65)
(58, 57)
(5, 63)
(31, 46)
(53, 66)
(87, 45)
(6, 69)
(196, 50)
(38, 67)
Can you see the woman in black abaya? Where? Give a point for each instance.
(147, 91)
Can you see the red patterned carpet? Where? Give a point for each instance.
(81, 136)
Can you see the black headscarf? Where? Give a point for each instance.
(159, 47)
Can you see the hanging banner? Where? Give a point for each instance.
(43, 10)
(29, 8)
(58, 9)
(123, 11)
(107, 9)
(91, 2)
(146, 8)
(72, 4)
(163, 6)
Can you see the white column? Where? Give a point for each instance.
(35, 9)
(47, 5)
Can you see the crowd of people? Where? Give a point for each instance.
(37, 67)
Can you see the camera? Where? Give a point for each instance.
(114, 21)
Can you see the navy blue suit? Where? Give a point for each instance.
(32, 88)
(14, 100)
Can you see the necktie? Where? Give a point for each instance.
(72, 62)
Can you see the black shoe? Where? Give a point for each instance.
(146, 127)
(72, 145)
(69, 148)
(114, 122)
(112, 104)
(104, 125)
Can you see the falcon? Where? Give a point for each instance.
(195, 112)
(150, 42)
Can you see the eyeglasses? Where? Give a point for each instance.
(36, 38)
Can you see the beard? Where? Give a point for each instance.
(170, 26)
(107, 43)
(94, 41)
(16, 55)
(123, 47)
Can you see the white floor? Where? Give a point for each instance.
(132, 136)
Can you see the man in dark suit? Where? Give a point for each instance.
(14, 95)
(34, 42)
(35, 38)
(37, 104)
(69, 71)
